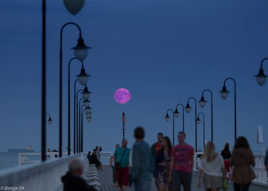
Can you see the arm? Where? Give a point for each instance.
(171, 166)
(135, 163)
(200, 174)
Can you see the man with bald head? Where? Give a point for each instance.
(72, 180)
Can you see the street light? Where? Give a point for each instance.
(198, 121)
(69, 102)
(82, 77)
(261, 76)
(76, 93)
(49, 121)
(86, 93)
(86, 103)
(176, 114)
(224, 94)
(188, 110)
(173, 126)
(202, 104)
(87, 109)
(80, 51)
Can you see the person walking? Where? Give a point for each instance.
(181, 166)
(122, 165)
(162, 161)
(112, 165)
(226, 155)
(73, 181)
(142, 162)
(211, 169)
(242, 161)
(156, 152)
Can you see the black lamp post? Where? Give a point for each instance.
(198, 121)
(76, 93)
(188, 110)
(202, 104)
(80, 125)
(261, 76)
(44, 86)
(69, 102)
(224, 94)
(173, 124)
(80, 52)
(176, 114)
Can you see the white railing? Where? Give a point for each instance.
(41, 176)
(260, 169)
(33, 158)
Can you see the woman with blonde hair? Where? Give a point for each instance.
(211, 169)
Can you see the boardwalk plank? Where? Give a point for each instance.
(107, 184)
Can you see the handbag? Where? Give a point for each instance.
(117, 164)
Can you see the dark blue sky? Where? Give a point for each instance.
(163, 51)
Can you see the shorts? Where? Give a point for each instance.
(122, 176)
(212, 181)
(161, 175)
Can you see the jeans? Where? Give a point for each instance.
(143, 185)
(241, 187)
(114, 175)
(182, 178)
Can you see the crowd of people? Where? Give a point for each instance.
(171, 166)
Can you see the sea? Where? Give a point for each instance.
(11, 159)
(8, 160)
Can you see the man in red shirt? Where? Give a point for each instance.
(181, 166)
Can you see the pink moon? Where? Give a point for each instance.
(122, 96)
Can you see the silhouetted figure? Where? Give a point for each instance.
(88, 156)
(122, 162)
(181, 166)
(226, 155)
(242, 161)
(142, 162)
(211, 169)
(94, 160)
(156, 149)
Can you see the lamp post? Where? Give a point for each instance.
(176, 114)
(198, 121)
(80, 52)
(123, 124)
(44, 86)
(69, 101)
(173, 128)
(75, 115)
(80, 125)
(202, 104)
(188, 110)
(261, 76)
(224, 94)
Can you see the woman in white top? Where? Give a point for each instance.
(211, 169)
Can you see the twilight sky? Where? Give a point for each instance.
(163, 51)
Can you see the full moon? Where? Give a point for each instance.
(122, 96)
